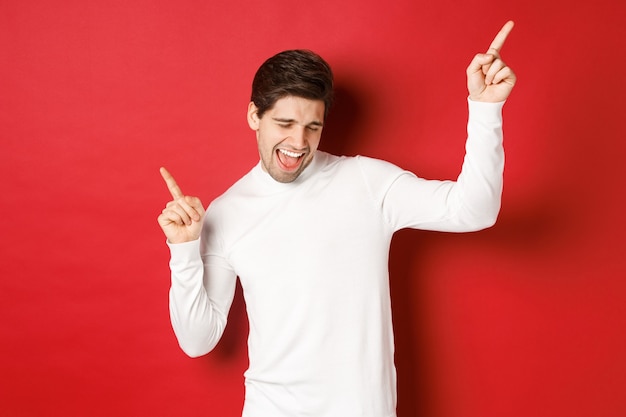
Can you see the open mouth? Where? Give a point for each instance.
(289, 160)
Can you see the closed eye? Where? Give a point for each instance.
(284, 123)
(314, 126)
(288, 124)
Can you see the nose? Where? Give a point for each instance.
(299, 136)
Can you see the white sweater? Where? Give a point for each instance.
(312, 257)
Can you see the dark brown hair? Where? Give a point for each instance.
(299, 73)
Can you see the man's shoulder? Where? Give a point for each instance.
(331, 160)
(375, 166)
(239, 188)
(367, 167)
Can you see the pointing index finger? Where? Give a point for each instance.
(171, 184)
(498, 41)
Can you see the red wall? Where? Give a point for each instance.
(525, 319)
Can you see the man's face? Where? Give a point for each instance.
(288, 135)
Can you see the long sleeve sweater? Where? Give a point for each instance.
(312, 258)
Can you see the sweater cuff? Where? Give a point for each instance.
(184, 253)
(487, 112)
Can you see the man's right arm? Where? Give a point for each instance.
(200, 297)
(202, 288)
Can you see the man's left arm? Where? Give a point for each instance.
(472, 202)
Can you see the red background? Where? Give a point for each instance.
(525, 319)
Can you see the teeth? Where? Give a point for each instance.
(291, 154)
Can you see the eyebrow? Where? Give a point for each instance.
(285, 120)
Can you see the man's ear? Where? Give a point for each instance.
(253, 116)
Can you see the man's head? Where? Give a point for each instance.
(298, 73)
(291, 95)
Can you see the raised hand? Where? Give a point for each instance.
(488, 77)
(181, 219)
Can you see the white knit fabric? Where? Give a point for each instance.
(312, 257)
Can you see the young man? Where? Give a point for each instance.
(308, 235)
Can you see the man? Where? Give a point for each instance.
(308, 235)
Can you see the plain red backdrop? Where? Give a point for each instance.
(524, 319)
